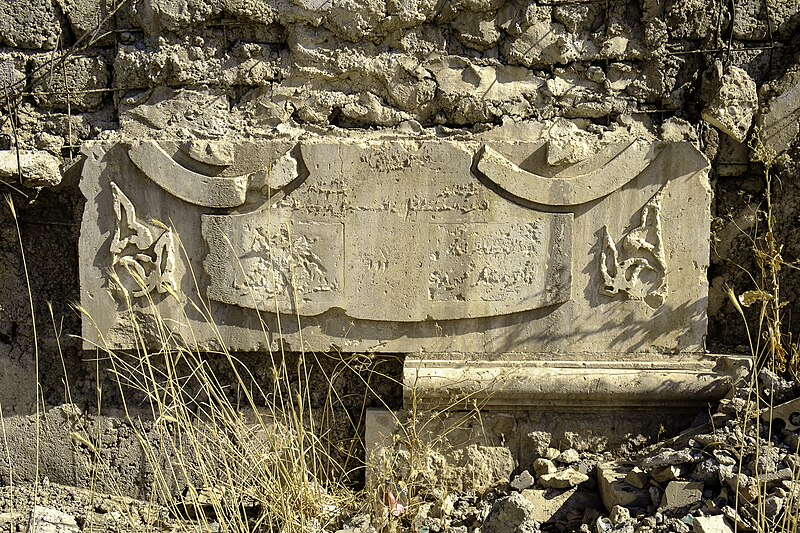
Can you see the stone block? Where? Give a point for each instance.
(663, 474)
(155, 16)
(31, 24)
(669, 457)
(48, 520)
(91, 20)
(468, 92)
(564, 479)
(476, 31)
(250, 64)
(544, 466)
(637, 478)
(36, 168)
(779, 121)
(475, 255)
(522, 481)
(553, 505)
(614, 490)
(544, 44)
(79, 84)
(680, 495)
(468, 268)
(711, 524)
(511, 514)
(734, 104)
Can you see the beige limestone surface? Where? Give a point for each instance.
(472, 246)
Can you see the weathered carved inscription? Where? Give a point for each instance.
(398, 245)
(412, 248)
(269, 262)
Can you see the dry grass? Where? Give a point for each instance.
(772, 348)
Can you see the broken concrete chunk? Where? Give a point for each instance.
(681, 494)
(774, 478)
(667, 457)
(732, 108)
(511, 514)
(615, 490)
(706, 471)
(546, 503)
(568, 456)
(544, 466)
(711, 524)
(774, 386)
(554, 505)
(551, 454)
(746, 486)
(36, 168)
(539, 442)
(663, 474)
(562, 480)
(47, 520)
(484, 466)
(619, 515)
(522, 481)
(637, 478)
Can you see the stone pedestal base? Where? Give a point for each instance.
(468, 425)
(588, 382)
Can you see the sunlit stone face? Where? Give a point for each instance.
(396, 245)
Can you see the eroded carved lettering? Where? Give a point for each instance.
(281, 263)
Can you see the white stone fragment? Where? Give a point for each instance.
(47, 520)
(732, 108)
(711, 524)
(38, 168)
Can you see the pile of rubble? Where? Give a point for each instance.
(737, 471)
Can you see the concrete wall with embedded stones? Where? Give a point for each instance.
(78, 70)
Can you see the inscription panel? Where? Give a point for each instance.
(273, 263)
(396, 245)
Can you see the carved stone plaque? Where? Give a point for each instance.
(395, 245)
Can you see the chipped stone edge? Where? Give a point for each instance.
(637, 382)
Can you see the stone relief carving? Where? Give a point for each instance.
(596, 177)
(404, 245)
(639, 269)
(142, 263)
(409, 246)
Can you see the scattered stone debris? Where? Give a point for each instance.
(694, 482)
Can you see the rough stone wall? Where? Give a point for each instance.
(74, 70)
